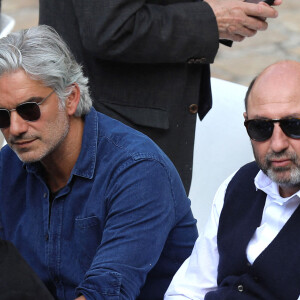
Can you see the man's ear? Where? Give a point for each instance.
(245, 116)
(73, 99)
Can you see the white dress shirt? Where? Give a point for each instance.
(198, 274)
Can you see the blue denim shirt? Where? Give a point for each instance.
(120, 228)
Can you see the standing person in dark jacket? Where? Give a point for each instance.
(250, 247)
(148, 61)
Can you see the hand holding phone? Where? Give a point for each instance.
(239, 20)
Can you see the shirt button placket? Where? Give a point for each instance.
(46, 236)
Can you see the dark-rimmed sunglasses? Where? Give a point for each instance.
(29, 111)
(262, 129)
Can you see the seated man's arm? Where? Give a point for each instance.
(140, 215)
(198, 274)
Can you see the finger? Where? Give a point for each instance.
(249, 24)
(257, 24)
(260, 10)
(237, 38)
(233, 37)
(277, 2)
(241, 31)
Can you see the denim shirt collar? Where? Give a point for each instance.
(86, 162)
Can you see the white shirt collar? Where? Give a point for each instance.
(264, 183)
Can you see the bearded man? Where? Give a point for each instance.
(250, 247)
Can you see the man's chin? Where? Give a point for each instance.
(28, 156)
(27, 160)
(283, 176)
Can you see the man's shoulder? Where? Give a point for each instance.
(124, 152)
(243, 180)
(122, 138)
(122, 147)
(248, 170)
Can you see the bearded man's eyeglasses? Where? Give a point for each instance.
(29, 111)
(262, 129)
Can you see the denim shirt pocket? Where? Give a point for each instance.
(88, 235)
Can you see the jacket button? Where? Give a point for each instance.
(240, 288)
(193, 108)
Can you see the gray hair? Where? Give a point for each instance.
(45, 57)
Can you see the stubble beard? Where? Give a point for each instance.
(288, 176)
(54, 141)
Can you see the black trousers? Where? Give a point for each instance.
(17, 280)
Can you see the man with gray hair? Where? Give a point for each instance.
(95, 207)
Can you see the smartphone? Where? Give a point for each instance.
(270, 2)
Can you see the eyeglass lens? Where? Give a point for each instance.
(291, 127)
(262, 130)
(29, 111)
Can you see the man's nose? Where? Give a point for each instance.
(17, 124)
(279, 141)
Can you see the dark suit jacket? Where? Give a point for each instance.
(147, 61)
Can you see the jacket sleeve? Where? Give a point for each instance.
(134, 31)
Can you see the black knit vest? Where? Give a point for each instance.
(275, 274)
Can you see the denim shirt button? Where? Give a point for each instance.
(47, 237)
(45, 195)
